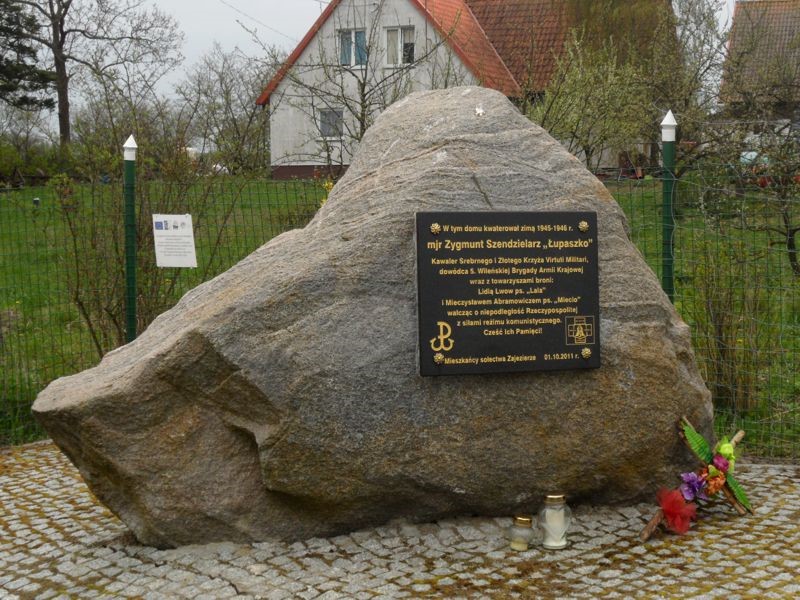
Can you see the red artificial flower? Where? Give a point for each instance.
(678, 514)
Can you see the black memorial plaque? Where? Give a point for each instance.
(507, 291)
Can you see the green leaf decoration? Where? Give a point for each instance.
(738, 492)
(697, 442)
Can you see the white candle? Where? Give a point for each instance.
(555, 530)
(555, 520)
(521, 533)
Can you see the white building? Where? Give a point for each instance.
(358, 58)
(362, 55)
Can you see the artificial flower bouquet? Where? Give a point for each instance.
(678, 508)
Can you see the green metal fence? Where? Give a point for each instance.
(737, 284)
(735, 277)
(62, 269)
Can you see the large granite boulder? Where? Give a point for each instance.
(282, 399)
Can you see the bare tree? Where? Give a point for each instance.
(169, 182)
(218, 94)
(594, 102)
(28, 133)
(109, 38)
(107, 117)
(684, 72)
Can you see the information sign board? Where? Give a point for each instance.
(174, 241)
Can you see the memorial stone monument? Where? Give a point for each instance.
(327, 382)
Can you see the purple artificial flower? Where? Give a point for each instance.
(693, 486)
(721, 463)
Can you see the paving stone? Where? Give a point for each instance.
(276, 594)
(56, 541)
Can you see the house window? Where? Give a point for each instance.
(352, 47)
(331, 123)
(400, 46)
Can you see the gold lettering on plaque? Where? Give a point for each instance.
(442, 342)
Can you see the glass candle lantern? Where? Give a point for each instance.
(554, 520)
(521, 533)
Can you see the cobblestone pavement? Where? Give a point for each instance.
(57, 542)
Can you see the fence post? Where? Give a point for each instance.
(668, 127)
(129, 192)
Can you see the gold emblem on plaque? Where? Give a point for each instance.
(436, 229)
(442, 342)
(438, 358)
(586, 353)
(580, 330)
(583, 226)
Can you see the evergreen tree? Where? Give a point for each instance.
(23, 84)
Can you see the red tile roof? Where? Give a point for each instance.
(528, 34)
(458, 25)
(764, 45)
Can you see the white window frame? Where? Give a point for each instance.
(399, 47)
(321, 123)
(351, 34)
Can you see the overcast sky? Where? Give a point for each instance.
(279, 22)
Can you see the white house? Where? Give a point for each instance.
(359, 57)
(362, 55)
